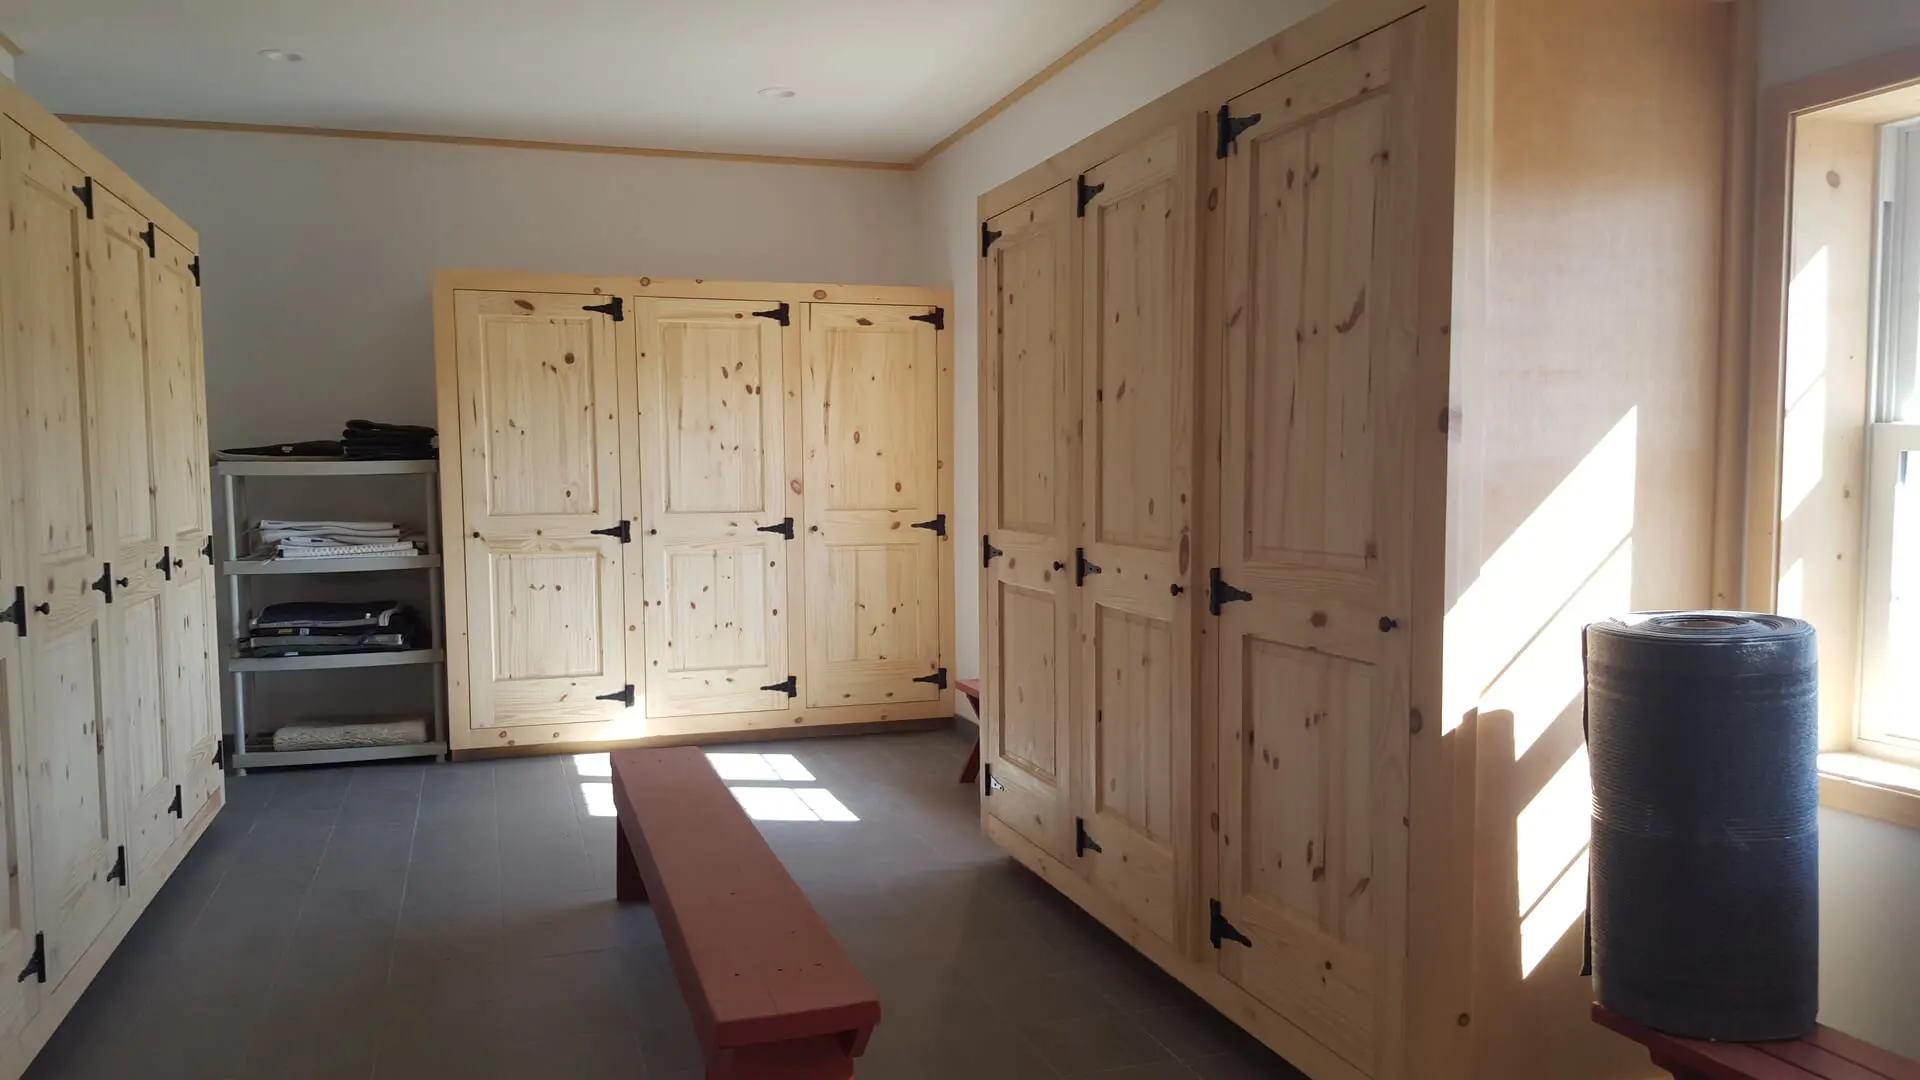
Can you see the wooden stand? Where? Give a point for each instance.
(1824, 1055)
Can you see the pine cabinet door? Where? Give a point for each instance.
(176, 397)
(131, 420)
(873, 521)
(1313, 662)
(540, 450)
(69, 683)
(718, 534)
(1029, 411)
(19, 1001)
(1137, 352)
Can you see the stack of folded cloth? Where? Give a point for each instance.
(316, 628)
(370, 441)
(332, 539)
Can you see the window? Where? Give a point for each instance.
(1889, 702)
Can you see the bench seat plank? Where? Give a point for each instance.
(1825, 1055)
(755, 962)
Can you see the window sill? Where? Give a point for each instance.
(1871, 787)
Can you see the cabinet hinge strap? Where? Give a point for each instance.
(1219, 593)
(937, 526)
(988, 552)
(622, 532)
(36, 968)
(789, 686)
(1085, 193)
(85, 192)
(1219, 929)
(1082, 843)
(938, 678)
(785, 528)
(119, 871)
(1230, 127)
(153, 241)
(987, 237)
(782, 314)
(177, 810)
(624, 696)
(937, 317)
(16, 612)
(616, 307)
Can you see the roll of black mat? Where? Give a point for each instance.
(1702, 731)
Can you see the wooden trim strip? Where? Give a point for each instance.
(475, 140)
(1041, 78)
(1779, 110)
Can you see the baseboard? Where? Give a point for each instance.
(717, 738)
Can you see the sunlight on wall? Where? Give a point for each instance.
(1547, 561)
(791, 804)
(1563, 906)
(1792, 600)
(1553, 829)
(1803, 441)
(1548, 675)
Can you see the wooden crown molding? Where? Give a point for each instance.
(1063, 62)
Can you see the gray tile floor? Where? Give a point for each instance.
(458, 921)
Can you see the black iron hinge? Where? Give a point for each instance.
(16, 612)
(988, 552)
(1082, 843)
(938, 678)
(1219, 929)
(119, 871)
(624, 531)
(989, 785)
(104, 586)
(85, 191)
(153, 241)
(176, 809)
(1219, 593)
(1082, 569)
(1230, 127)
(165, 565)
(782, 314)
(206, 550)
(937, 526)
(624, 696)
(789, 686)
(616, 307)
(36, 968)
(937, 318)
(195, 267)
(1084, 192)
(219, 754)
(785, 528)
(987, 237)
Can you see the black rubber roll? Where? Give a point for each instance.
(1702, 731)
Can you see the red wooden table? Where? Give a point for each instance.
(971, 771)
(1824, 1055)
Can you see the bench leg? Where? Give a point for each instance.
(627, 882)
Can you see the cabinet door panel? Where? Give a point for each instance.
(1137, 370)
(120, 368)
(1313, 695)
(541, 467)
(176, 404)
(19, 1001)
(1028, 442)
(69, 783)
(713, 462)
(870, 403)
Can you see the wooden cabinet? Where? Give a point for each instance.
(111, 718)
(693, 508)
(1321, 402)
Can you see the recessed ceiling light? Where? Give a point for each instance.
(282, 54)
(777, 92)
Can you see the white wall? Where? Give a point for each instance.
(6, 63)
(1869, 871)
(318, 253)
(1175, 42)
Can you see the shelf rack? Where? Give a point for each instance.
(238, 569)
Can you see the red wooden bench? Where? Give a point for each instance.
(772, 994)
(1824, 1055)
(971, 770)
